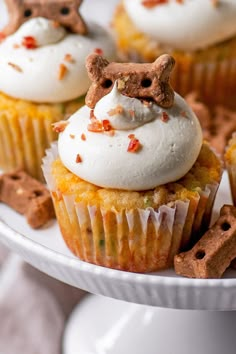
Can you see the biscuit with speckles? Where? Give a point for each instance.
(214, 252)
(144, 81)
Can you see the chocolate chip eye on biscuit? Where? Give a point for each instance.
(43, 76)
(131, 180)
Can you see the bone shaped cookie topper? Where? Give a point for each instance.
(27, 196)
(63, 12)
(146, 81)
(214, 252)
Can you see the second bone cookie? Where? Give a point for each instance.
(213, 253)
(27, 196)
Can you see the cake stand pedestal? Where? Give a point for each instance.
(147, 319)
(100, 325)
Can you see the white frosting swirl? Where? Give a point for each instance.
(190, 25)
(44, 31)
(37, 76)
(168, 151)
(123, 112)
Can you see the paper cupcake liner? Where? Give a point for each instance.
(25, 137)
(137, 240)
(205, 205)
(199, 216)
(23, 142)
(213, 80)
(231, 167)
(203, 214)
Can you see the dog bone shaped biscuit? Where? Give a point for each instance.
(63, 12)
(146, 81)
(214, 252)
(27, 196)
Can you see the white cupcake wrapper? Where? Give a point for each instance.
(231, 169)
(168, 223)
(51, 155)
(214, 81)
(232, 179)
(23, 142)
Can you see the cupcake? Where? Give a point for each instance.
(201, 35)
(43, 78)
(230, 163)
(131, 180)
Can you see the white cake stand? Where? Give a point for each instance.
(101, 325)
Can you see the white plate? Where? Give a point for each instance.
(46, 250)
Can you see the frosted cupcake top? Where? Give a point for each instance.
(127, 142)
(186, 24)
(43, 62)
(138, 147)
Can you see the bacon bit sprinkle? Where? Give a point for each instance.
(16, 46)
(131, 136)
(117, 110)
(69, 58)
(59, 127)
(62, 71)
(29, 42)
(95, 127)
(106, 125)
(2, 36)
(165, 117)
(78, 159)
(151, 3)
(15, 67)
(83, 137)
(98, 51)
(72, 136)
(134, 145)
